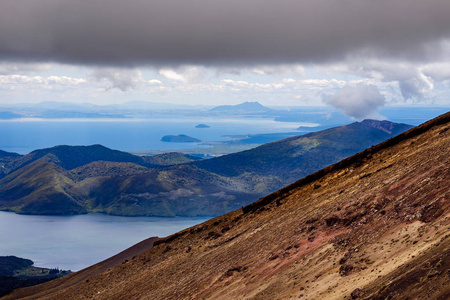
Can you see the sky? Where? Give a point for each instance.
(355, 55)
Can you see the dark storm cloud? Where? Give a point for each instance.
(207, 31)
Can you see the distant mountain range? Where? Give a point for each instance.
(80, 179)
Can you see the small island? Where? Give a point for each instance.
(202, 126)
(181, 138)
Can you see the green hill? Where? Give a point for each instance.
(40, 188)
(292, 158)
(171, 158)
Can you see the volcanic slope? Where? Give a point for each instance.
(373, 226)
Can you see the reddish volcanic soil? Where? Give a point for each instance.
(374, 226)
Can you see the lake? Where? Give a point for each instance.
(76, 242)
(25, 135)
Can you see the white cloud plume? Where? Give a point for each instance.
(358, 101)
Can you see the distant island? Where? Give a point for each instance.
(202, 126)
(246, 107)
(181, 138)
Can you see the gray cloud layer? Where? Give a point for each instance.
(210, 32)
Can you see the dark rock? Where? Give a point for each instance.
(213, 235)
(332, 220)
(356, 292)
(345, 270)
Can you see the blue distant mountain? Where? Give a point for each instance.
(246, 107)
(6, 115)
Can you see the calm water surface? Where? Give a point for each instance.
(76, 242)
(25, 135)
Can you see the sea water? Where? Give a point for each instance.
(78, 241)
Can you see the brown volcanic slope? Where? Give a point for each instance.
(374, 226)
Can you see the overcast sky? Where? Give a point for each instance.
(356, 55)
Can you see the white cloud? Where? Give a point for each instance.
(172, 75)
(51, 82)
(116, 78)
(281, 69)
(358, 101)
(154, 82)
(412, 82)
(437, 71)
(242, 86)
(288, 80)
(183, 74)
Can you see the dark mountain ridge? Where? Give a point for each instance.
(70, 157)
(373, 226)
(4, 154)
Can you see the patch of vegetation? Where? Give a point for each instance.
(16, 272)
(168, 159)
